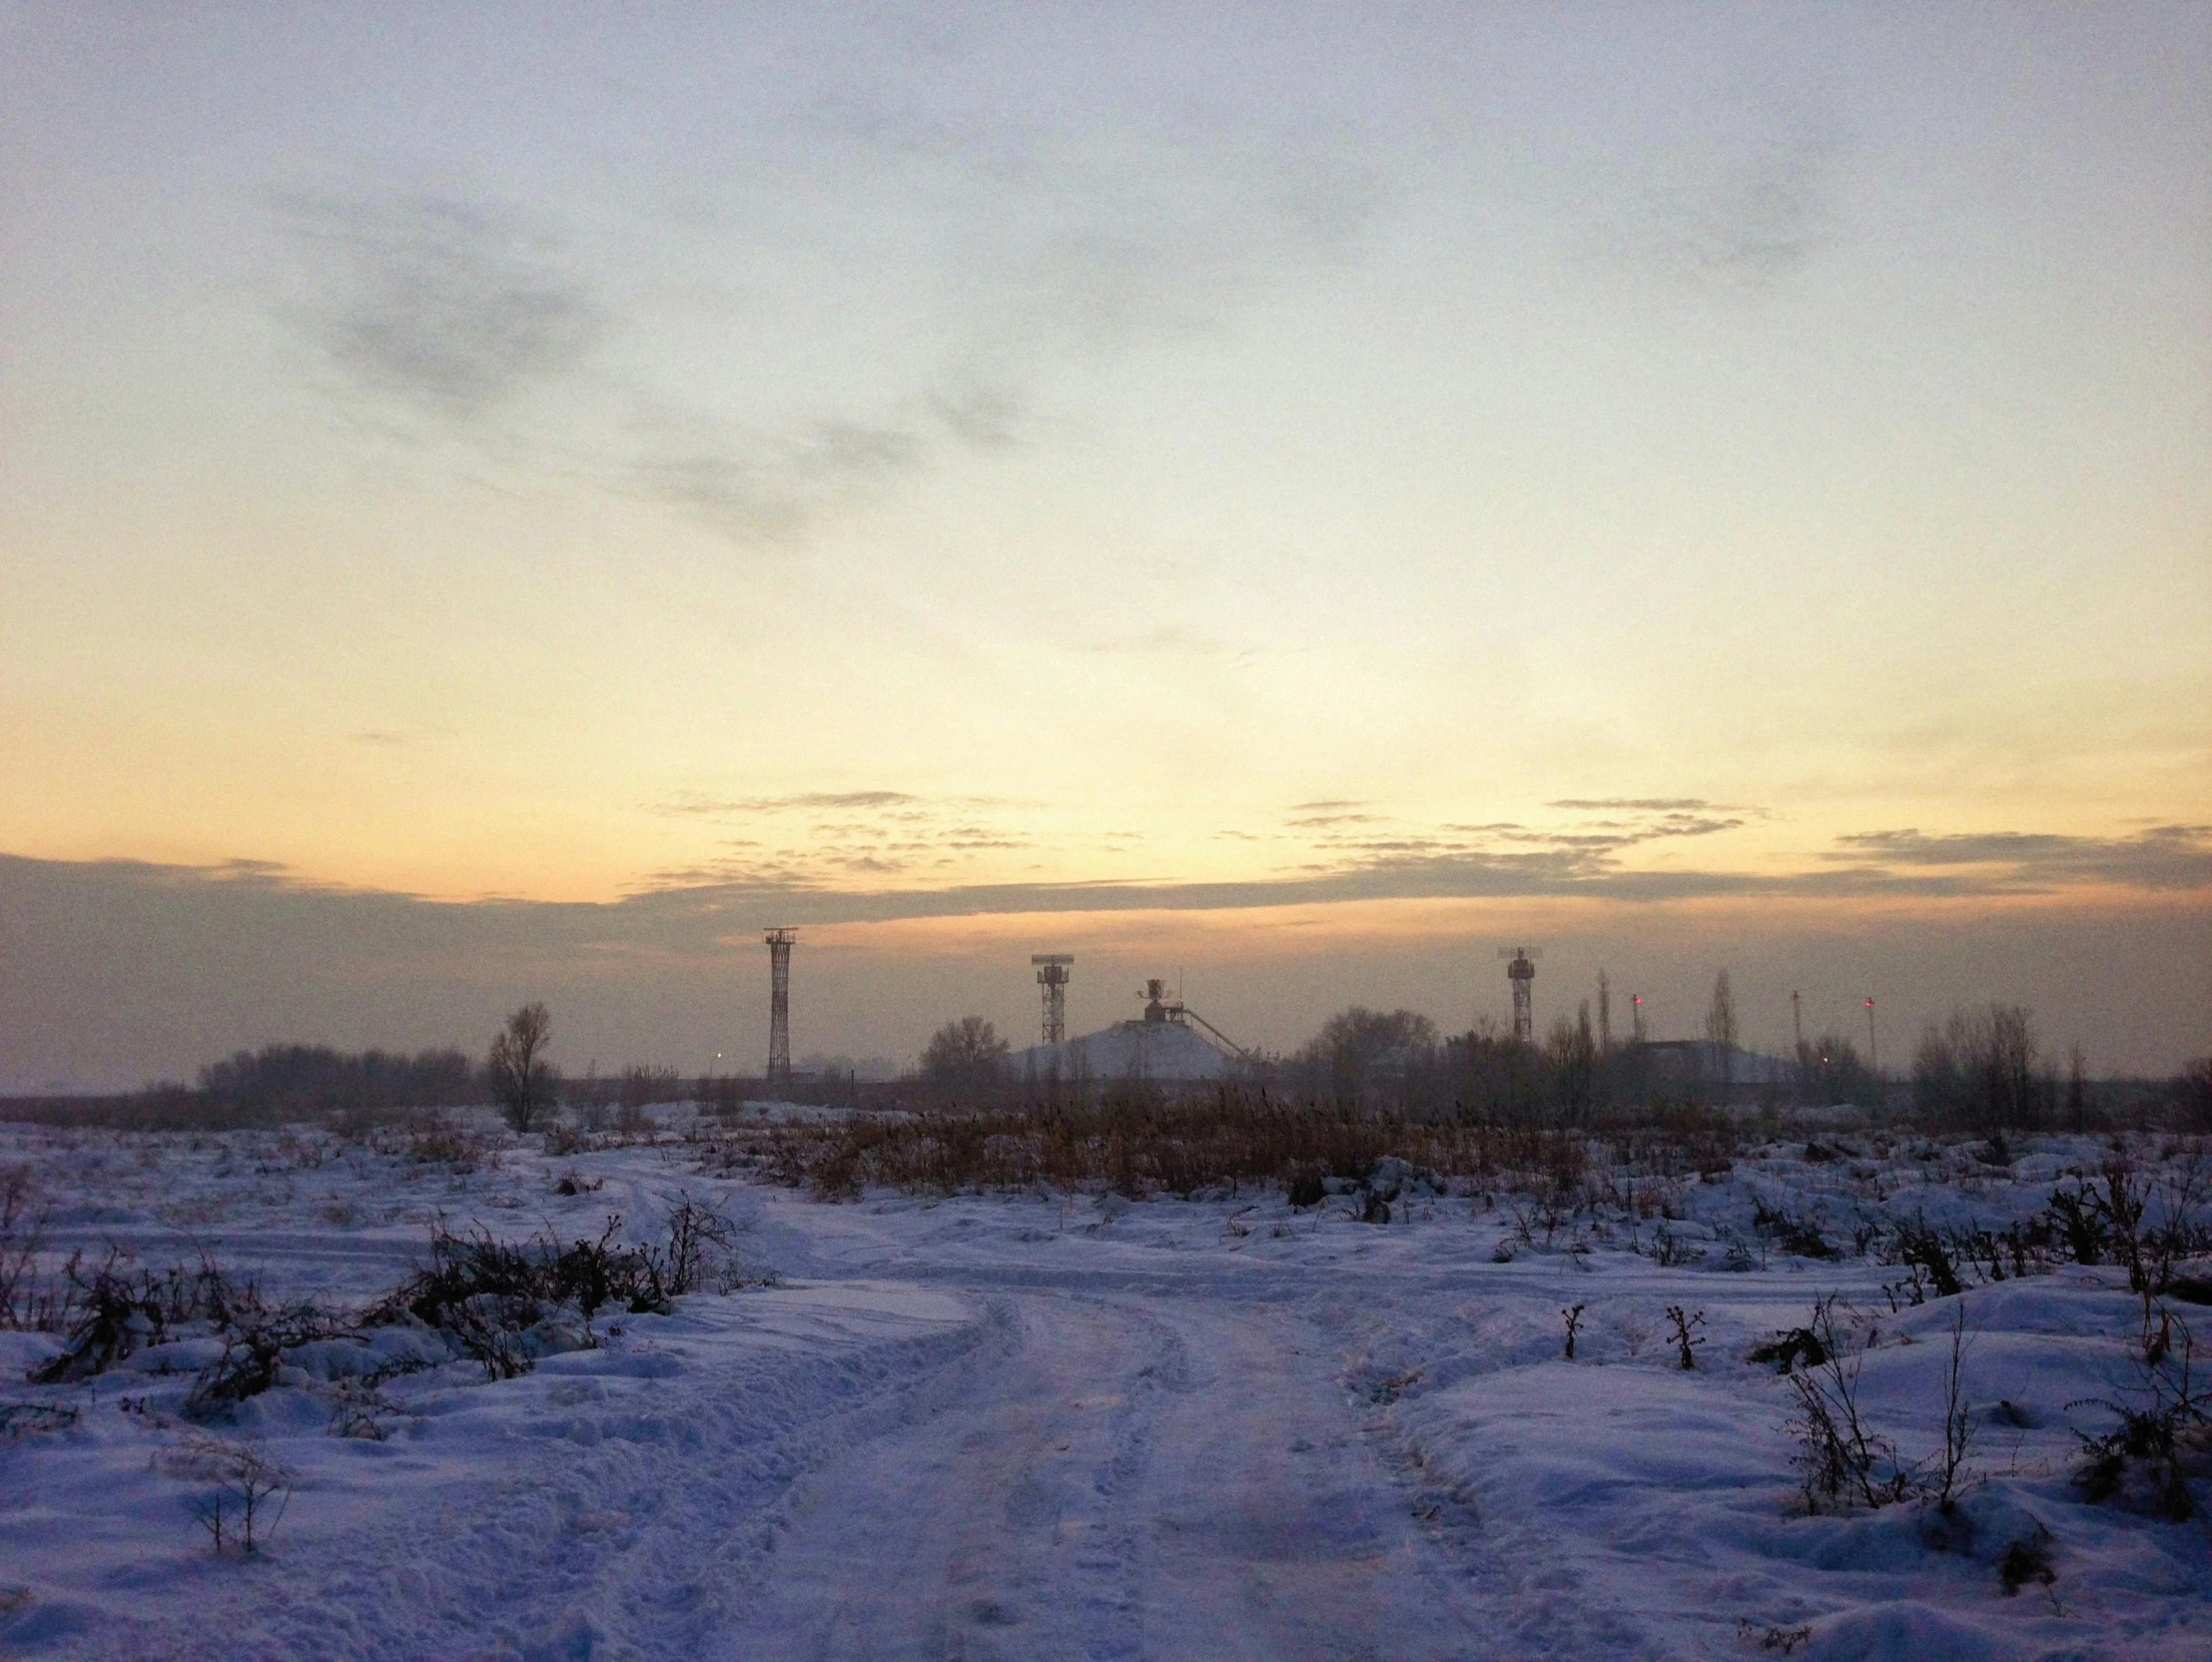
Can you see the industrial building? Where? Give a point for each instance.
(1169, 1043)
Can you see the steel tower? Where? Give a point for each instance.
(1522, 974)
(1052, 975)
(779, 1005)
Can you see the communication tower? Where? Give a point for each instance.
(1521, 972)
(1052, 975)
(779, 1004)
(1636, 1018)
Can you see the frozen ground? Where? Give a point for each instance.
(1063, 1426)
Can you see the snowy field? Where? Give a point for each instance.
(1072, 1426)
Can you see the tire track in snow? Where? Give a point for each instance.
(1535, 1601)
(1001, 1527)
(1145, 1476)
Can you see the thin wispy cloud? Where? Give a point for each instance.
(448, 310)
(2163, 857)
(1050, 246)
(1648, 804)
(769, 488)
(696, 906)
(1588, 847)
(1738, 200)
(1755, 221)
(717, 805)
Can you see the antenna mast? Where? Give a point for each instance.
(1522, 974)
(1052, 976)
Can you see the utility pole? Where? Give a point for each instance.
(1803, 1068)
(1873, 1055)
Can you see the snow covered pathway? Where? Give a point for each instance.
(1142, 1477)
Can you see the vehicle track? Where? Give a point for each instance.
(1142, 1477)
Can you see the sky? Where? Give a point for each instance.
(503, 502)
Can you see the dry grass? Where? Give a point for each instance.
(1142, 1142)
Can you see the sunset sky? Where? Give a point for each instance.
(506, 501)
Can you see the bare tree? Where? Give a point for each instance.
(1720, 1027)
(968, 1053)
(1981, 1070)
(522, 1081)
(1357, 1046)
(2193, 1094)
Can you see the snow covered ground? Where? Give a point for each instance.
(1053, 1425)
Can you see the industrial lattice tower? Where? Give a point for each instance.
(779, 1005)
(1522, 973)
(1052, 976)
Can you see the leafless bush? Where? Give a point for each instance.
(562, 1139)
(2149, 1228)
(252, 1350)
(430, 1138)
(644, 1085)
(696, 1233)
(722, 1096)
(1785, 1640)
(1685, 1326)
(20, 1419)
(1792, 1232)
(2024, 1560)
(493, 1300)
(2192, 1092)
(113, 1311)
(1927, 1250)
(359, 1410)
(22, 1236)
(1572, 1315)
(250, 1489)
(1841, 1460)
(1958, 1425)
(1789, 1348)
(2160, 1439)
(485, 1295)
